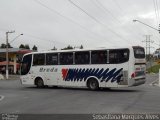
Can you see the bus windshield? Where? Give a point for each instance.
(139, 52)
(26, 64)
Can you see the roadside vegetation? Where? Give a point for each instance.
(155, 68)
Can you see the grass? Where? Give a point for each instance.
(154, 69)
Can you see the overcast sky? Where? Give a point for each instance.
(91, 23)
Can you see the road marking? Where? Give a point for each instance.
(155, 83)
(1, 97)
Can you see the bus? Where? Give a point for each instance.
(92, 68)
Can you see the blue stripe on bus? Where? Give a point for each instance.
(106, 75)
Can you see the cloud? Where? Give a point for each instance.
(60, 23)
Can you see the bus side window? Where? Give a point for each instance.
(99, 57)
(39, 59)
(82, 57)
(51, 59)
(123, 56)
(113, 56)
(66, 58)
(118, 56)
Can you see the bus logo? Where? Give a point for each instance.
(106, 75)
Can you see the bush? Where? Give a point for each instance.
(153, 69)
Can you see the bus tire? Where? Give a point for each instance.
(93, 84)
(39, 82)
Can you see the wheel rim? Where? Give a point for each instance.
(93, 85)
(40, 83)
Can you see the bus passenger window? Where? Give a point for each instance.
(99, 57)
(66, 58)
(39, 59)
(113, 57)
(118, 56)
(51, 59)
(82, 57)
(123, 56)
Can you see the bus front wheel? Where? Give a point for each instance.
(39, 82)
(93, 84)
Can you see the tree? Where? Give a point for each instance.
(34, 48)
(4, 45)
(54, 48)
(81, 47)
(27, 47)
(9, 46)
(67, 48)
(22, 46)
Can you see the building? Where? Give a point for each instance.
(14, 56)
(156, 54)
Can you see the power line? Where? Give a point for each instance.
(33, 36)
(43, 39)
(67, 18)
(156, 11)
(97, 20)
(117, 4)
(106, 10)
(114, 17)
(38, 38)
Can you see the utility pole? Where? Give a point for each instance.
(159, 29)
(7, 62)
(148, 42)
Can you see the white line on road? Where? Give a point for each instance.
(1, 97)
(154, 82)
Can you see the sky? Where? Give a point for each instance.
(91, 23)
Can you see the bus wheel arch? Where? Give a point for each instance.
(92, 83)
(39, 82)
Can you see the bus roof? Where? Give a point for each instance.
(89, 49)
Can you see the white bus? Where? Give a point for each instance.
(92, 68)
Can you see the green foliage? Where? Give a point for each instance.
(27, 47)
(81, 47)
(54, 48)
(154, 69)
(34, 48)
(67, 48)
(22, 46)
(4, 45)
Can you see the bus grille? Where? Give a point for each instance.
(124, 79)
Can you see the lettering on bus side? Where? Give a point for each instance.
(48, 69)
(113, 75)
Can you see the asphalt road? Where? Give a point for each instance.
(15, 98)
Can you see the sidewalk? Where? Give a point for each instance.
(155, 83)
(12, 77)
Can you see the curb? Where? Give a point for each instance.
(155, 83)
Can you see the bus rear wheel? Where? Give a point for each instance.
(39, 83)
(93, 84)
